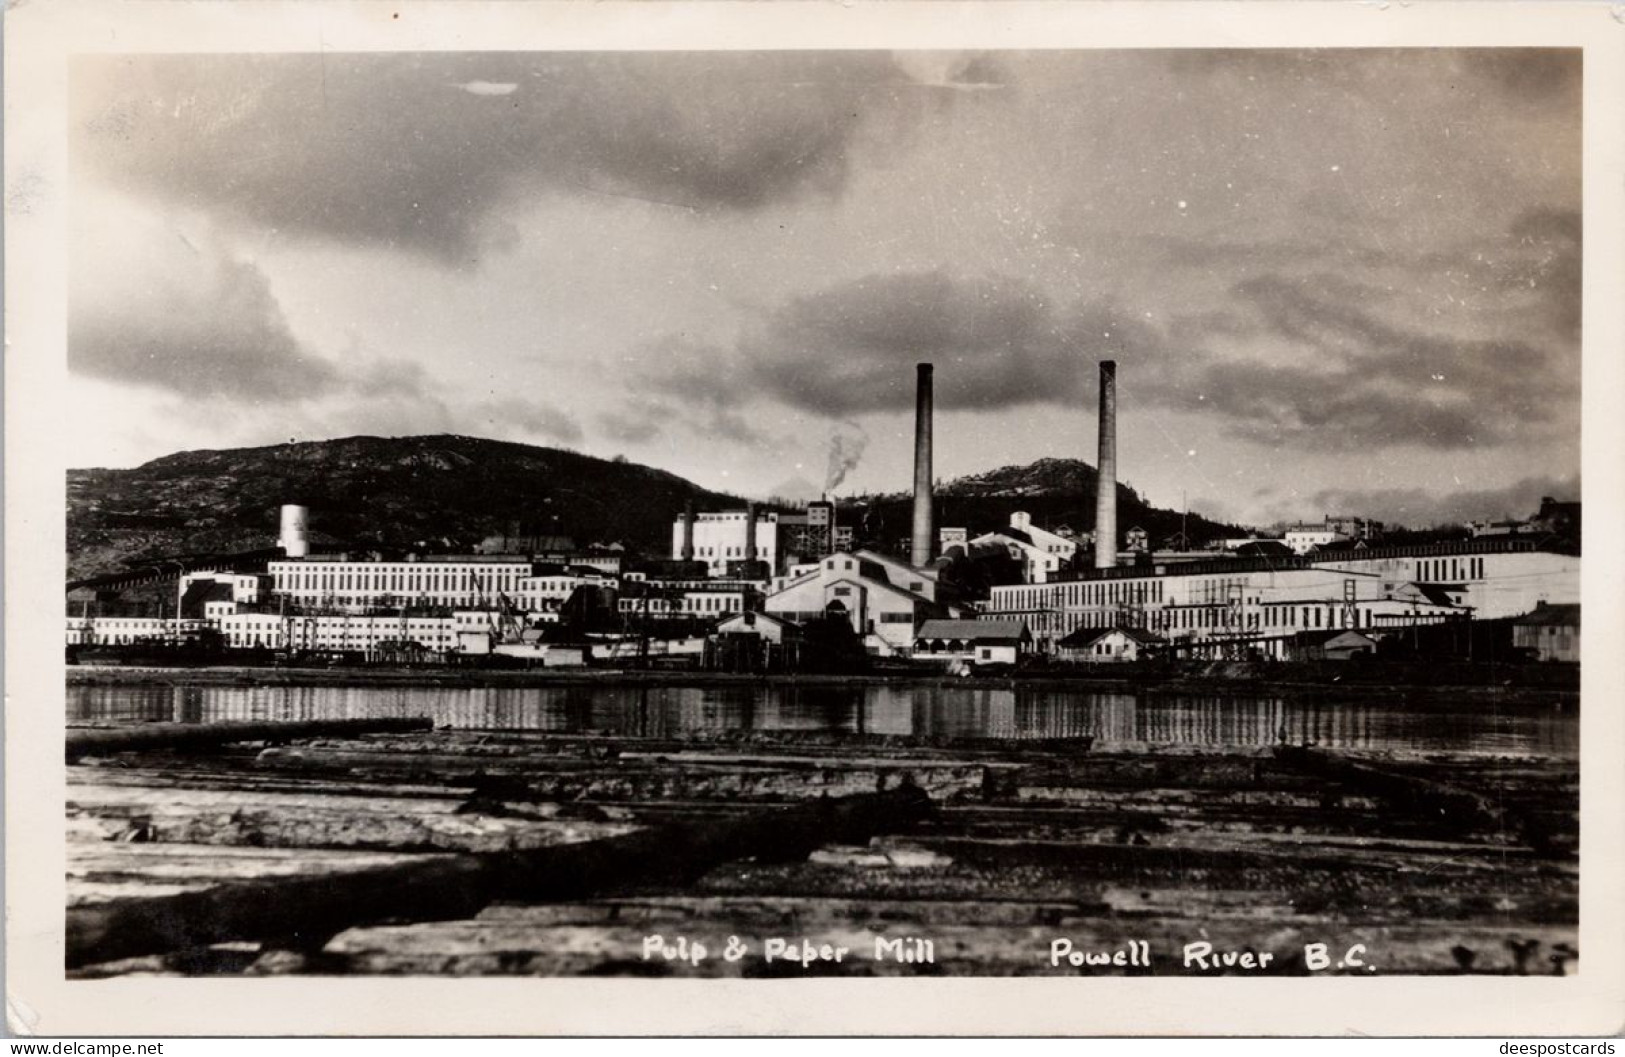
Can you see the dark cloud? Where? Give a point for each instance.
(1547, 265)
(1422, 508)
(421, 151)
(209, 328)
(996, 342)
(1350, 364)
(689, 386)
(1320, 410)
(1378, 380)
(628, 428)
(407, 411)
(1538, 76)
(530, 417)
(184, 317)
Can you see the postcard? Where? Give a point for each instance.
(908, 518)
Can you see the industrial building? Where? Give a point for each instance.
(450, 580)
(1303, 538)
(882, 599)
(1109, 645)
(1263, 598)
(722, 539)
(972, 642)
(1255, 605)
(1549, 633)
(725, 540)
(1040, 554)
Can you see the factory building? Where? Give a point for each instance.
(719, 538)
(698, 602)
(239, 588)
(1109, 645)
(1354, 528)
(345, 633)
(883, 600)
(1259, 604)
(119, 631)
(1306, 537)
(972, 641)
(448, 581)
(725, 540)
(1041, 554)
(544, 595)
(1549, 633)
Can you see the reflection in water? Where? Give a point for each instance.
(654, 712)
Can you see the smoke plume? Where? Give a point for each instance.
(845, 449)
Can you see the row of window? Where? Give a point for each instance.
(1277, 619)
(380, 579)
(1453, 570)
(714, 603)
(1081, 593)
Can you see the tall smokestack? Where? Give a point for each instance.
(750, 532)
(687, 552)
(924, 538)
(1106, 484)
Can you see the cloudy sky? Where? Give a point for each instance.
(1332, 280)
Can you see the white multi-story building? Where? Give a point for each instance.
(883, 599)
(720, 537)
(467, 631)
(118, 631)
(246, 588)
(686, 603)
(1305, 538)
(1264, 602)
(449, 582)
(1042, 538)
(1042, 554)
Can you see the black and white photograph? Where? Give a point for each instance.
(790, 512)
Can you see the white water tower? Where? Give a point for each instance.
(295, 521)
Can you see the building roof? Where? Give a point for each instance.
(1089, 636)
(1263, 548)
(1563, 614)
(1438, 594)
(981, 630)
(750, 619)
(201, 591)
(1326, 635)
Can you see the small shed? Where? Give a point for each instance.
(973, 641)
(1330, 645)
(1550, 633)
(1108, 645)
(762, 625)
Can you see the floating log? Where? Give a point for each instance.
(1449, 806)
(312, 821)
(83, 741)
(544, 777)
(303, 913)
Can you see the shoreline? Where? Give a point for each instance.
(1149, 683)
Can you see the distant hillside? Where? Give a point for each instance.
(436, 492)
(446, 493)
(1056, 492)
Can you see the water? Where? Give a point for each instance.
(1116, 719)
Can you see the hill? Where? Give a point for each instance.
(446, 493)
(442, 493)
(1056, 492)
